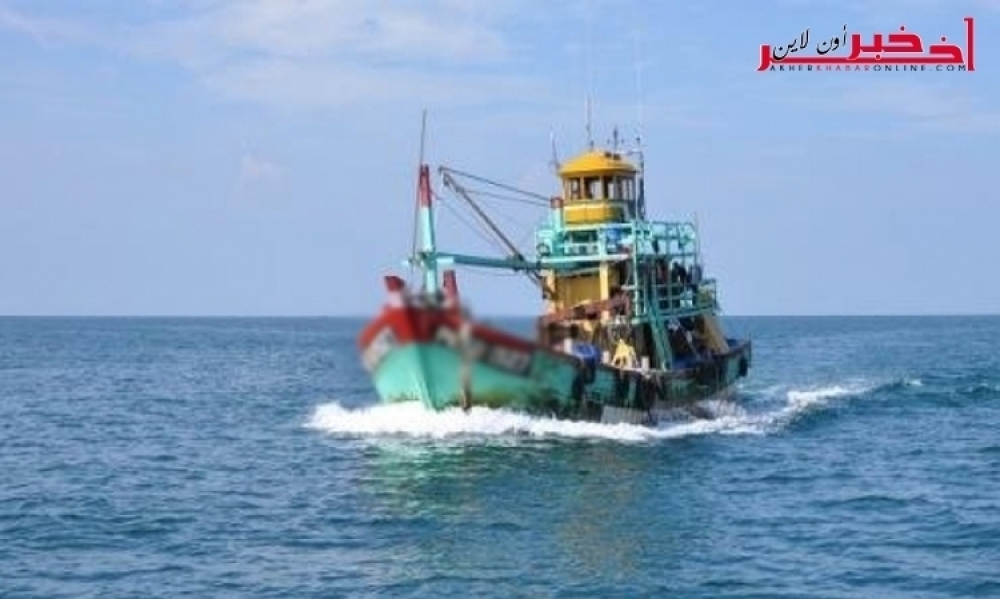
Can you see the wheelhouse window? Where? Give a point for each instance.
(573, 189)
(628, 191)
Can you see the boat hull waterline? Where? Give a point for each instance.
(444, 359)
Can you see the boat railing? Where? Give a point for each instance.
(612, 240)
(678, 300)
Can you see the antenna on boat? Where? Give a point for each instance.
(641, 197)
(638, 82)
(588, 102)
(554, 162)
(586, 116)
(423, 134)
(697, 240)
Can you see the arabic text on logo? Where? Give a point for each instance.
(902, 51)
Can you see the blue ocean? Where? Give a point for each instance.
(216, 457)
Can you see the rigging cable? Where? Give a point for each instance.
(481, 231)
(531, 194)
(506, 198)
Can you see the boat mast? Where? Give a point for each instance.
(428, 248)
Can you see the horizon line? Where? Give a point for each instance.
(504, 316)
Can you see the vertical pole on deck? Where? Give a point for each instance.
(428, 248)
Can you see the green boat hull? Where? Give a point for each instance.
(441, 377)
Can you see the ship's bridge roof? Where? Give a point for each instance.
(595, 162)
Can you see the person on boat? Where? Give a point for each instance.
(678, 283)
(700, 343)
(679, 274)
(680, 344)
(662, 272)
(620, 308)
(624, 355)
(570, 339)
(695, 277)
(581, 349)
(623, 268)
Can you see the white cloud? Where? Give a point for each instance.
(312, 53)
(44, 31)
(257, 175)
(312, 85)
(339, 29)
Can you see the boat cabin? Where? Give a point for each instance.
(598, 187)
(632, 286)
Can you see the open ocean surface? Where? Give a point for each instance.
(245, 458)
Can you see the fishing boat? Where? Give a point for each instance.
(629, 328)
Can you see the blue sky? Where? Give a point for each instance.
(253, 157)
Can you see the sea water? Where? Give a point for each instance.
(248, 458)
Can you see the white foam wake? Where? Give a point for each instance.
(411, 419)
(818, 396)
